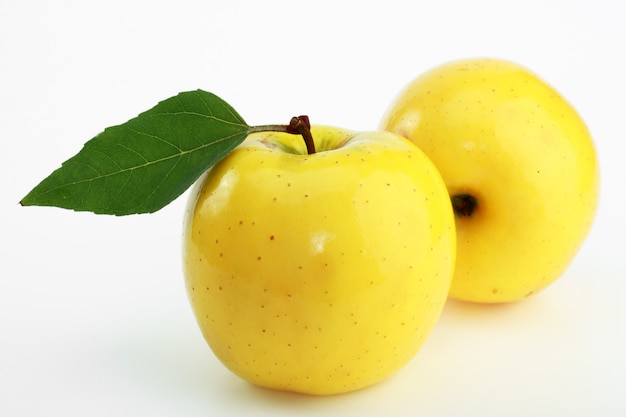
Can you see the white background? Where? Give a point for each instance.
(94, 320)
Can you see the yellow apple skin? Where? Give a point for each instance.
(499, 133)
(322, 273)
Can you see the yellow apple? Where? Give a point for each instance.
(520, 167)
(319, 273)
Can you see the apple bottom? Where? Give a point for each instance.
(331, 350)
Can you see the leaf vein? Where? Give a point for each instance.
(139, 132)
(165, 177)
(141, 166)
(128, 148)
(238, 123)
(116, 196)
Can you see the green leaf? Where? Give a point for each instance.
(144, 164)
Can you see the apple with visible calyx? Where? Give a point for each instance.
(321, 272)
(520, 167)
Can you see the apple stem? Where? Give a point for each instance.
(299, 125)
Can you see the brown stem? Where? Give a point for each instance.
(299, 125)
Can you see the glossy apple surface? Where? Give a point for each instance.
(319, 273)
(519, 164)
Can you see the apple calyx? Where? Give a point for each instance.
(464, 205)
(298, 125)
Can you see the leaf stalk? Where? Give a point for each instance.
(298, 125)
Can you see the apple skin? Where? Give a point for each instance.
(499, 133)
(321, 273)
